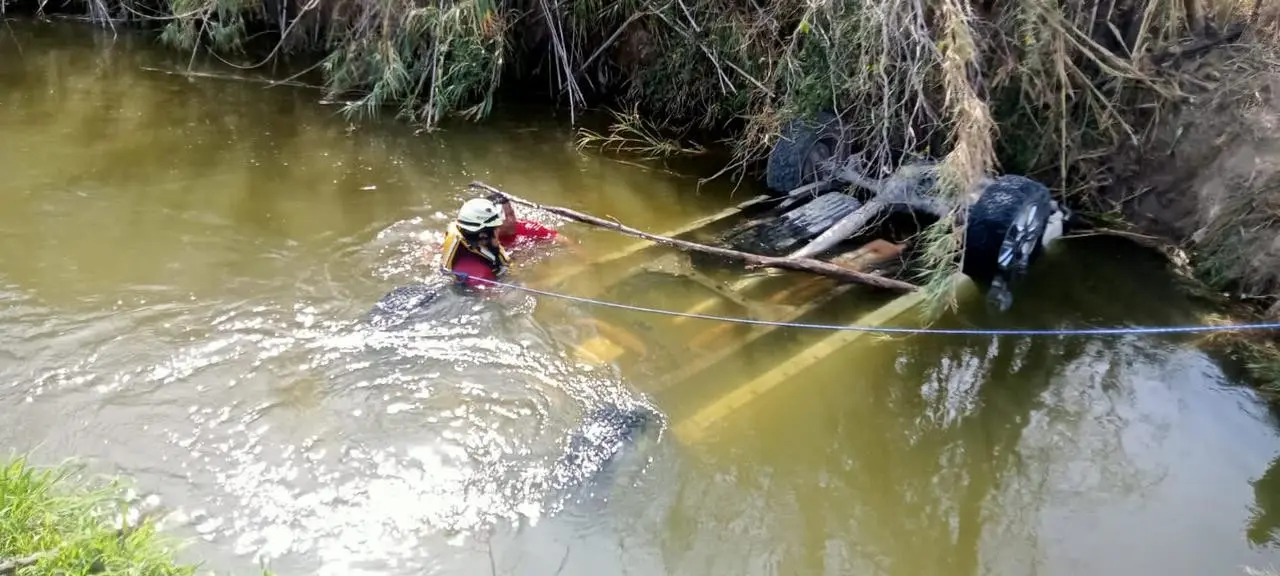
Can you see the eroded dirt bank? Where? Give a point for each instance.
(1203, 184)
(1208, 175)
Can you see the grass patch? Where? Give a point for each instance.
(630, 134)
(53, 523)
(1257, 353)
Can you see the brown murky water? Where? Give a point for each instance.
(185, 265)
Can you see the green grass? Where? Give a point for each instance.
(52, 522)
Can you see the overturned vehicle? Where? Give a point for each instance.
(678, 312)
(827, 199)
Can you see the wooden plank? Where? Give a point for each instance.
(862, 258)
(737, 288)
(757, 331)
(680, 267)
(599, 350)
(694, 428)
(867, 255)
(812, 289)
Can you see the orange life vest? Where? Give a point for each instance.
(497, 259)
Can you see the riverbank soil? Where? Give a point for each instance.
(1206, 179)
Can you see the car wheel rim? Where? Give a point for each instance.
(1020, 241)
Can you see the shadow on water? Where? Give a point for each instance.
(187, 265)
(605, 451)
(993, 455)
(1263, 529)
(1264, 526)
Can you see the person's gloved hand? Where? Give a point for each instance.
(498, 198)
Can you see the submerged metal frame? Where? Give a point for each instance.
(695, 427)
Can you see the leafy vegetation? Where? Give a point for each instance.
(51, 523)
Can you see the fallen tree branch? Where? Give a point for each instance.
(753, 260)
(11, 567)
(233, 77)
(609, 42)
(1198, 46)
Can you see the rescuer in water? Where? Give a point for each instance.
(477, 244)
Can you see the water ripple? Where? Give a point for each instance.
(309, 433)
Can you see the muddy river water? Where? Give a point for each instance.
(185, 264)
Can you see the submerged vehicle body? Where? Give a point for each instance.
(1008, 220)
(589, 450)
(819, 207)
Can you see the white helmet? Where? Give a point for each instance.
(477, 214)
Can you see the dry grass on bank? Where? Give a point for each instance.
(1062, 81)
(1048, 89)
(1028, 86)
(1208, 177)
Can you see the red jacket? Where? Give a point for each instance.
(526, 233)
